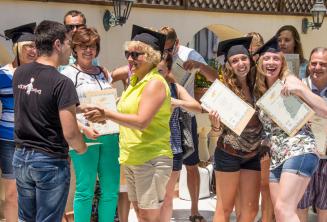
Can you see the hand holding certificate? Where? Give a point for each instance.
(106, 99)
(233, 111)
(180, 73)
(288, 112)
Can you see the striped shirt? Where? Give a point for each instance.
(7, 100)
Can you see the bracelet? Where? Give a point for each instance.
(216, 129)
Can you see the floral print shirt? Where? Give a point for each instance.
(284, 147)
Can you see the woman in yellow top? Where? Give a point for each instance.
(144, 113)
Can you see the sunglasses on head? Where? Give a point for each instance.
(72, 27)
(133, 54)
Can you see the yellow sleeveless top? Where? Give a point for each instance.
(140, 146)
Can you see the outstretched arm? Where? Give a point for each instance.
(152, 98)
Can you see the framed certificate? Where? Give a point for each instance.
(107, 99)
(293, 63)
(233, 111)
(319, 130)
(288, 112)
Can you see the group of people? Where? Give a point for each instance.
(51, 126)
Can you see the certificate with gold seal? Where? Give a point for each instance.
(233, 111)
(290, 113)
(107, 99)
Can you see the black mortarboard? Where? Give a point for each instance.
(155, 39)
(269, 46)
(235, 46)
(21, 33)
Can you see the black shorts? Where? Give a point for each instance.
(193, 159)
(226, 162)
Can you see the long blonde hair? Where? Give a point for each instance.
(261, 86)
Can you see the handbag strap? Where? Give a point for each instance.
(173, 89)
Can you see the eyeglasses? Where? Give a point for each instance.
(134, 55)
(30, 46)
(85, 47)
(172, 49)
(75, 26)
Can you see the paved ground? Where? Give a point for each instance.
(206, 207)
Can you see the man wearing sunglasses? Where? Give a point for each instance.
(189, 56)
(74, 20)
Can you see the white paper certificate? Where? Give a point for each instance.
(319, 130)
(293, 63)
(288, 112)
(233, 111)
(107, 99)
(180, 73)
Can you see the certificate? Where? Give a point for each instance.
(288, 112)
(107, 99)
(319, 130)
(182, 75)
(293, 63)
(233, 111)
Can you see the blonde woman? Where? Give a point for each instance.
(143, 114)
(24, 50)
(293, 159)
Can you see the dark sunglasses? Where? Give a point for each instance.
(72, 27)
(170, 50)
(134, 55)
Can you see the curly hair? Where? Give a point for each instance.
(230, 79)
(151, 56)
(261, 86)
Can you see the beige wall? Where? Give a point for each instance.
(186, 23)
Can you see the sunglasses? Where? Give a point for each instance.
(134, 55)
(72, 27)
(170, 50)
(85, 47)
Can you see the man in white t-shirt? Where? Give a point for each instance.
(191, 59)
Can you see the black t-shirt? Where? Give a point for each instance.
(40, 91)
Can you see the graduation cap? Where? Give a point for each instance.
(235, 46)
(270, 46)
(155, 39)
(21, 33)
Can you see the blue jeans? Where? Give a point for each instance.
(42, 185)
(7, 149)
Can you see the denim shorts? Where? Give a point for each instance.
(226, 162)
(303, 165)
(7, 149)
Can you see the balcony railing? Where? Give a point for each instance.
(282, 7)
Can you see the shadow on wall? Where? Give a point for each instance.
(206, 40)
(4, 56)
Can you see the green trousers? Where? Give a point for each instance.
(102, 160)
